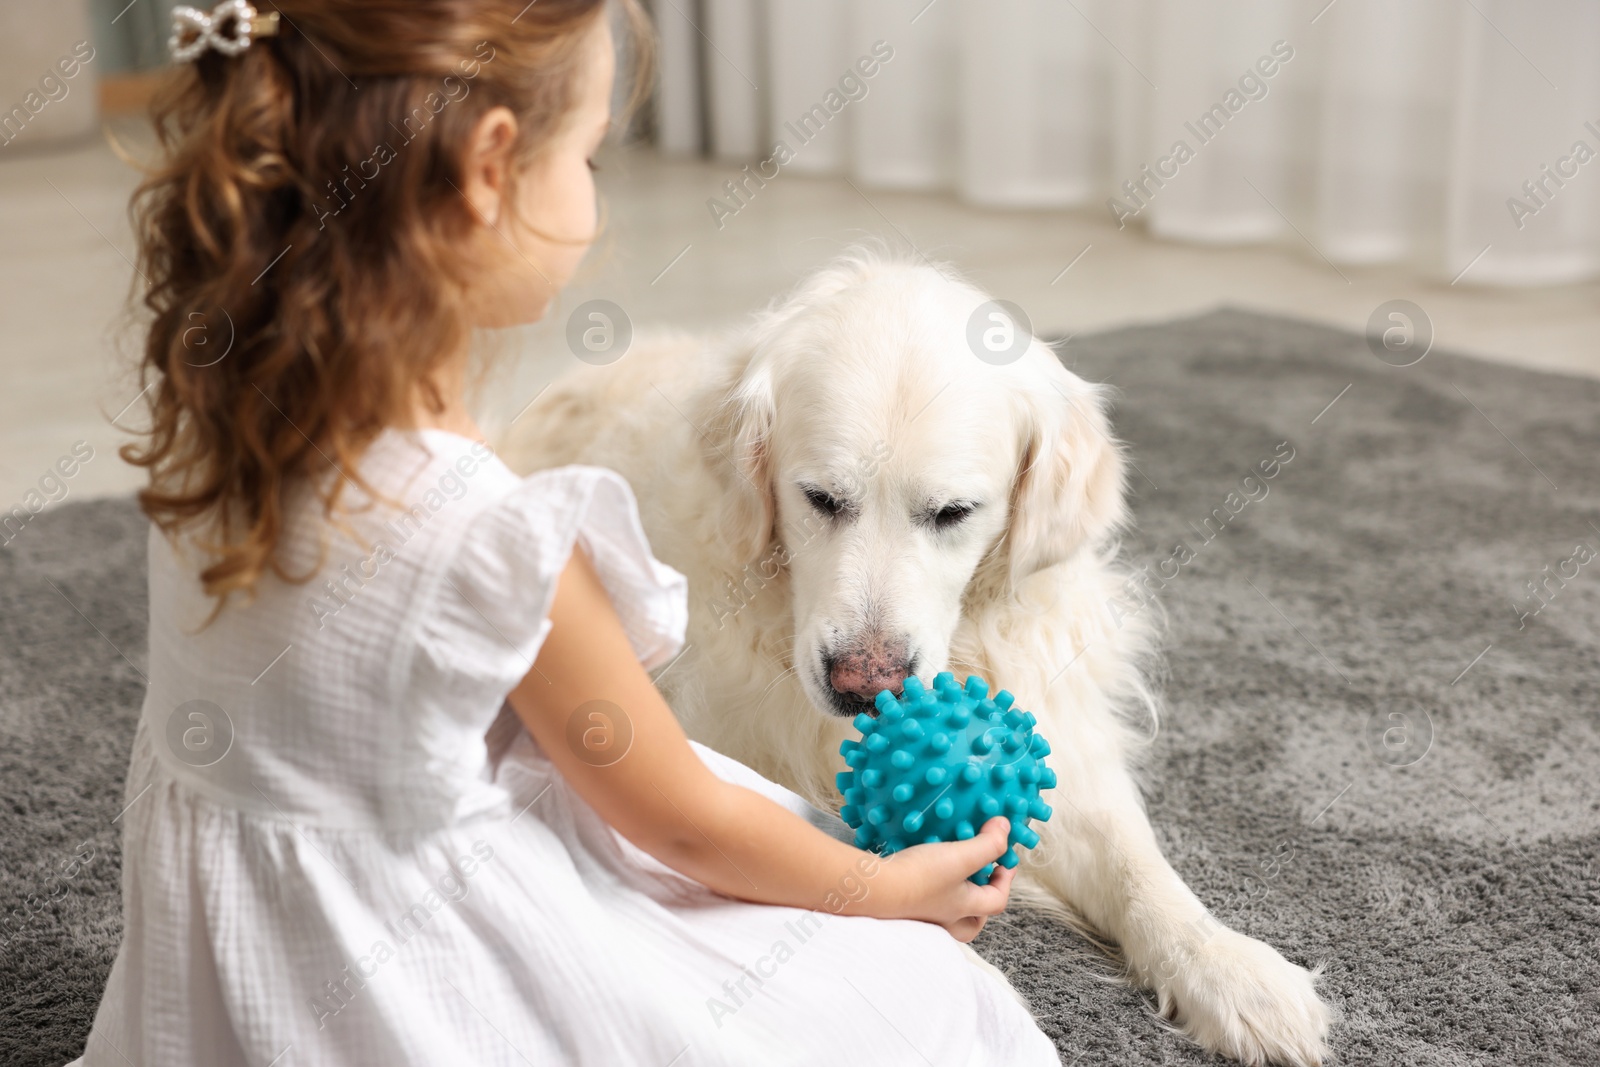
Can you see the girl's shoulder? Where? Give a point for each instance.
(490, 545)
(461, 489)
(505, 559)
(430, 469)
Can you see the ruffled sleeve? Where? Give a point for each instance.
(492, 610)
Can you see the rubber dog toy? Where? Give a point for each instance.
(936, 765)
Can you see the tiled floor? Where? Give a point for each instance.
(65, 275)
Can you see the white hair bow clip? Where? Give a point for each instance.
(230, 28)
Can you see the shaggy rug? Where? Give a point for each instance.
(1379, 753)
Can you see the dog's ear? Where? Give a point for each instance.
(738, 414)
(738, 435)
(1068, 493)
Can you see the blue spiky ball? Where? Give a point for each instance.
(935, 765)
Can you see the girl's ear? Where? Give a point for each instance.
(486, 166)
(739, 442)
(1068, 493)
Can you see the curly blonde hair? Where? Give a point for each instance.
(308, 188)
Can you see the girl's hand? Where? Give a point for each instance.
(933, 881)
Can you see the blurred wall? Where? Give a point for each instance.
(133, 36)
(50, 65)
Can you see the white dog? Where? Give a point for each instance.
(856, 497)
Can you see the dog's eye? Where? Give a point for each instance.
(825, 503)
(952, 514)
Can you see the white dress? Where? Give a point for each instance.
(324, 864)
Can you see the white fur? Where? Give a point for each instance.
(861, 381)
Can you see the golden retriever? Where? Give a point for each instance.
(866, 483)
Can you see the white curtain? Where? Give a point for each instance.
(1458, 136)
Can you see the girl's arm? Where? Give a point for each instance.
(664, 799)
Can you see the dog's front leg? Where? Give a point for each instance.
(1231, 993)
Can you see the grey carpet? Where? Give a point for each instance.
(1453, 897)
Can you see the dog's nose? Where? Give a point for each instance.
(859, 676)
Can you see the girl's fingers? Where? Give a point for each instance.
(986, 847)
(992, 899)
(1000, 828)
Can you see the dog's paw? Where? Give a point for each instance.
(1238, 997)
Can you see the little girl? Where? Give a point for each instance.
(402, 791)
